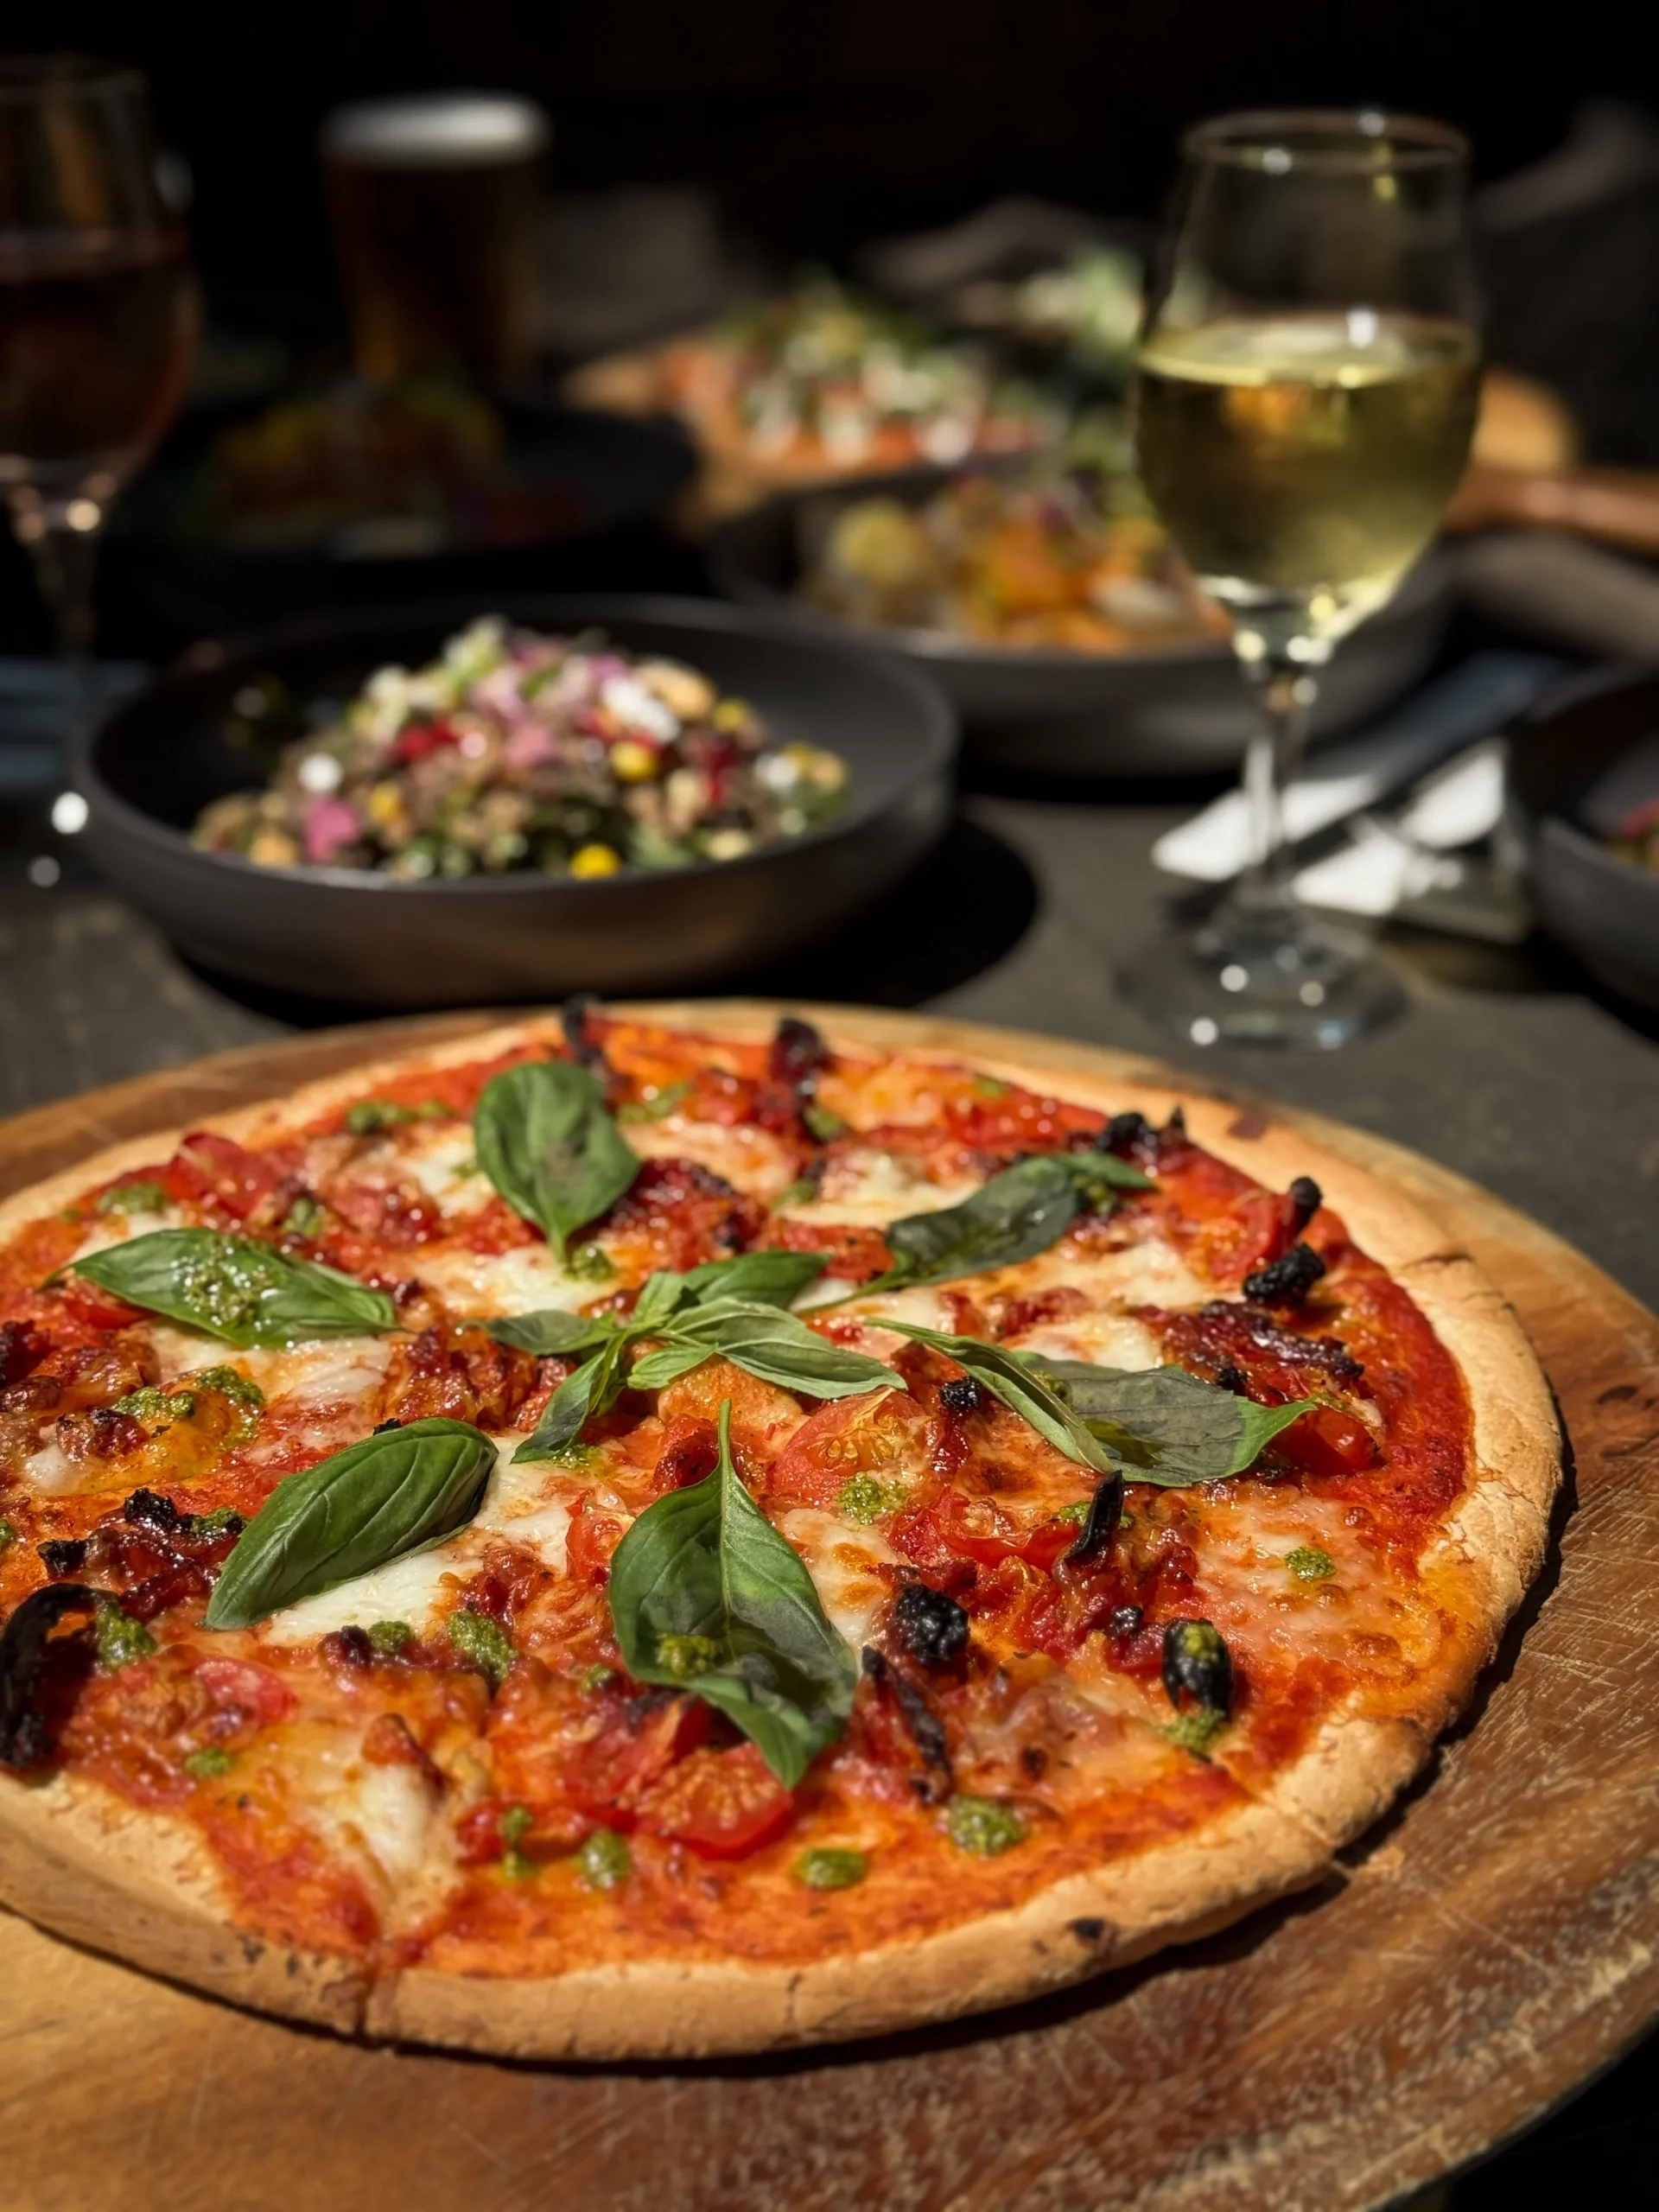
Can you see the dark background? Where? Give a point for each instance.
(817, 126)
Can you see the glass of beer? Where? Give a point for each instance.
(1303, 404)
(98, 315)
(436, 205)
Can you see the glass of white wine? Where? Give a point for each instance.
(1303, 404)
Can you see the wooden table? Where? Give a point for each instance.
(1495, 1940)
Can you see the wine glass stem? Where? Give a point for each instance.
(1283, 690)
(64, 560)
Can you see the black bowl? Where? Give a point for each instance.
(1579, 761)
(1172, 710)
(609, 479)
(345, 935)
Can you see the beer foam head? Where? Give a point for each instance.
(436, 130)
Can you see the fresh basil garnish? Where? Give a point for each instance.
(551, 1331)
(393, 1493)
(759, 1278)
(706, 1596)
(776, 1347)
(1013, 1216)
(1185, 1431)
(593, 1389)
(547, 1141)
(231, 1288)
(1007, 1376)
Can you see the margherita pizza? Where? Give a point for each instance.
(684, 1531)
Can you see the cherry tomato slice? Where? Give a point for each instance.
(874, 1433)
(721, 1803)
(609, 1775)
(96, 1308)
(591, 1540)
(1328, 1441)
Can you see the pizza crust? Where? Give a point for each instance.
(104, 1875)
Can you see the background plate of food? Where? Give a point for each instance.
(431, 808)
(1046, 601)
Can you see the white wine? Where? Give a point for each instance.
(1304, 461)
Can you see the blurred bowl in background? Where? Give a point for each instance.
(579, 491)
(353, 936)
(1579, 762)
(1177, 709)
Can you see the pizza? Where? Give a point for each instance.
(677, 1530)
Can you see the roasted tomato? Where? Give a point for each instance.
(97, 1309)
(878, 1432)
(211, 1170)
(1328, 1441)
(243, 1686)
(591, 1540)
(721, 1803)
(609, 1775)
(973, 1528)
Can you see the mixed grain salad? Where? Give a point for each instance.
(517, 750)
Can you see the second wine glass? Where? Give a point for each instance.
(98, 316)
(1303, 406)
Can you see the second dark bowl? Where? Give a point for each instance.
(347, 934)
(1579, 761)
(1174, 710)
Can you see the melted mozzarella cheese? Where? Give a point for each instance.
(752, 1160)
(50, 1472)
(444, 1162)
(863, 1188)
(381, 1817)
(524, 1280)
(411, 1589)
(839, 1560)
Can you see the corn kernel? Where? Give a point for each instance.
(594, 860)
(633, 763)
(734, 715)
(384, 804)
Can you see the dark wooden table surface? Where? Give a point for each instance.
(1505, 1068)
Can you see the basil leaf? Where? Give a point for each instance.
(656, 1369)
(659, 1294)
(1188, 1431)
(372, 1502)
(758, 1278)
(551, 1330)
(593, 1389)
(1098, 1175)
(775, 1346)
(231, 1288)
(705, 1595)
(547, 1141)
(1016, 1214)
(1008, 1375)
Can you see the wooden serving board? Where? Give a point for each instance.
(1490, 1944)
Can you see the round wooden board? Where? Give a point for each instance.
(1488, 1946)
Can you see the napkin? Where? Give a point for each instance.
(1356, 773)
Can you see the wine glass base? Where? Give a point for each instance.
(1311, 989)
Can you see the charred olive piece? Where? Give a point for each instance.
(1124, 1132)
(925, 1729)
(148, 1509)
(1306, 1198)
(1124, 1620)
(1289, 1277)
(1197, 1660)
(573, 1020)
(797, 1055)
(961, 1395)
(930, 1624)
(1229, 1377)
(61, 1555)
(25, 1740)
(1100, 1522)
